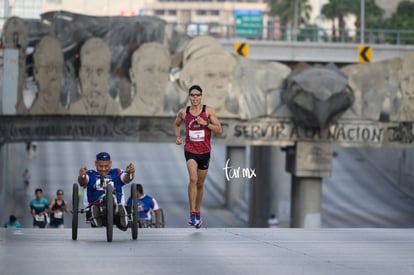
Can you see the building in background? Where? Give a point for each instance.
(200, 13)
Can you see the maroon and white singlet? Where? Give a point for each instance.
(197, 139)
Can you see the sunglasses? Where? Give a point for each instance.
(60, 194)
(196, 95)
(103, 156)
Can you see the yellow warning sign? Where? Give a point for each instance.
(241, 48)
(364, 54)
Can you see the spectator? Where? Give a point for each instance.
(273, 222)
(12, 222)
(26, 180)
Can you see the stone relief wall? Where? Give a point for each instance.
(139, 66)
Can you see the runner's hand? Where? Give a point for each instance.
(179, 141)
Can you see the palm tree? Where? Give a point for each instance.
(285, 10)
(338, 9)
(289, 10)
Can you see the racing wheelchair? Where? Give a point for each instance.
(109, 205)
(151, 223)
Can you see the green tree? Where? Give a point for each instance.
(339, 9)
(285, 10)
(374, 15)
(401, 20)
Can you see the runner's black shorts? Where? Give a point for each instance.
(202, 160)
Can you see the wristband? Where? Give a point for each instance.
(208, 123)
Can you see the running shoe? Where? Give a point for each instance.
(96, 219)
(198, 221)
(192, 219)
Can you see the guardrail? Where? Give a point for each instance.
(308, 34)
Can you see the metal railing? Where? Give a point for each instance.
(308, 34)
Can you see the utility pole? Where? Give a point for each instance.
(362, 23)
(295, 20)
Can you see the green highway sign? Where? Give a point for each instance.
(248, 23)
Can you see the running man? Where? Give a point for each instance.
(200, 120)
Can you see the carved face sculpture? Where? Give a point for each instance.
(94, 71)
(149, 72)
(407, 78)
(213, 72)
(48, 67)
(407, 89)
(15, 34)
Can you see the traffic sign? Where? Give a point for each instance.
(364, 54)
(248, 23)
(241, 48)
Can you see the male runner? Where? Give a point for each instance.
(200, 120)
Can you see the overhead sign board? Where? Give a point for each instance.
(248, 23)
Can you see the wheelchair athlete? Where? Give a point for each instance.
(146, 204)
(92, 182)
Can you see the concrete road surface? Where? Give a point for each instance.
(209, 251)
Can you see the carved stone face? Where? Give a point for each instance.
(15, 34)
(407, 78)
(214, 73)
(149, 72)
(94, 70)
(48, 66)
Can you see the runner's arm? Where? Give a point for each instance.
(213, 123)
(179, 119)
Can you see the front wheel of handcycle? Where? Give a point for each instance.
(75, 211)
(134, 212)
(109, 213)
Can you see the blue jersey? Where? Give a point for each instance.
(95, 186)
(145, 204)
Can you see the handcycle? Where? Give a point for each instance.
(151, 223)
(109, 206)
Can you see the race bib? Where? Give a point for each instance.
(40, 218)
(58, 215)
(196, 135)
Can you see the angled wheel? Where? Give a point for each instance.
(75, 211)
(162, 218)
(153, 219)
(134, 212)
(109, 213)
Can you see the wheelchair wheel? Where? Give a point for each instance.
(75, 211)
(109, 213)
(153, 220)
(162, 218)
(134, 212)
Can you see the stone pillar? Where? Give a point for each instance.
(270, 189)
(308, 162)
(306, 202)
